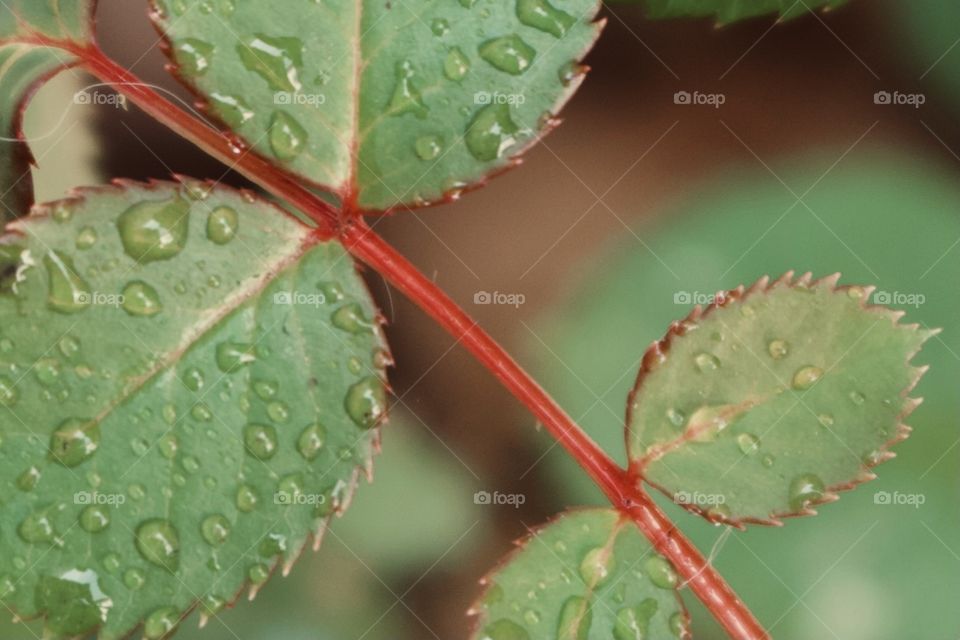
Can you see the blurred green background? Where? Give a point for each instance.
(631, 205)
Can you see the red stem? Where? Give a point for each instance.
(620, 486)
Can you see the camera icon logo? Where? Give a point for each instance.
(482, 498)
(682, 297)
(682, 97)
(283, 298)
(882, 97)
(882, 297)
(283, 97)
(482, 297)
(82, 97)
(882, 497)
(482, 97)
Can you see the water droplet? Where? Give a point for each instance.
(265, 390)
(632, 623)
(246, 499)
(806, 377)
(8, 392)
(661, 572)
(36, 528)
(278, 411)
(311, 441)
(231, 356)
(678, 625)
(193, 379)
(706, 362)
(508, 53)
(260, 440)
(428, 147)
(94, 519)
(708, 422)
(575, 619)
(73, 602)
(504, 629)
(74, 441)
(133, 579)
(193, 56)
(68, 292)
(28, 480)
(136, 491)
(856, 293)
(140, 299)
(201, 412)
(47, 371)
(406, 97)
(231, 109)
(597, 565)
(158, 542)
(440, 27)
(491, 133)
(258, 573)
(456, 65)
(351, 318)
(804, 489)
(542, 15)
(276, 60)
(825, 419)
(857, 398)
(222, 225)
(168, 444)
(778, 349)
(160, 623)
(215, 529)
(86, 238)
(7, 587)
(288, 138)
(366, 402)
(767, 460)
(676, 418)
(749, 444)
(155, 230)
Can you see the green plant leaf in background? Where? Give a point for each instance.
(29, 33)
(742, 224)
(386, 103)
(773, 399)
(727, 11)
(588, 575)
(190, 385)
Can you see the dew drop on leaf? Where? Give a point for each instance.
(246, 499)
(805, 488)
(748, 443)
(27, 480)
(504, 629)
(260, 440)
(258, 573)
(231, 109)
(68, 292)
(508, 53)
(366, 402)
(576, 616)
(133, 579)
(86, 238)
(596, 567)
(778, 349)
(276, 60)
(661, 572)
(706, 362)
(491, 132)
(140, 299)
(222, 225)
(155, 230)
(215, 529)
(37, 527)
(456, 65)
(806, 377)
(94, 519)
(160, 623)
(193, 56)
(288, 138)
(350, 318)
(158, 542)
(73, 602)
(428, 147)
(632, 622)
(311, 441)
(193, 379)
(857, 398)
(542, 15)
(74, 441)
(406, 97)
(8, 392)
(231, 356)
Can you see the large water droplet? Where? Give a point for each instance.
(311, 441)
(86, 238)
(74, 441)
(406, 97)
(428, 147)
(351, 318)
(134, 579)
(36, 528)
(68, 292)
(193, 379)
(632, 622)
(193, 56)
(456, 65)
(805, 488)
(288, 138)
(366, 402)
(748, 443)
(576, 616)
(778, 349)
(491, 133)
(806, 377)
(28, 480)
(231, 356)
(140, 299)
(158, 542)
(678, 625)
(260, 440)
(246, 500)
(508, 53)
(73, 602)
(160, 623)
(231, 109)
(597, 565)
(276, 60)
(706, 362)
(94, 518)
(661, 572)
(155, 230)
(542, 15)
(215, 529)
(8, 392)
(222, 225)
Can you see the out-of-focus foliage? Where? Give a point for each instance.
(932, 30)
(892, 221)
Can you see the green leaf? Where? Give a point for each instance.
(589, 574)
(773, 399)
(386, 103)
(31, 32)
(190, 384)
(727, 11)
